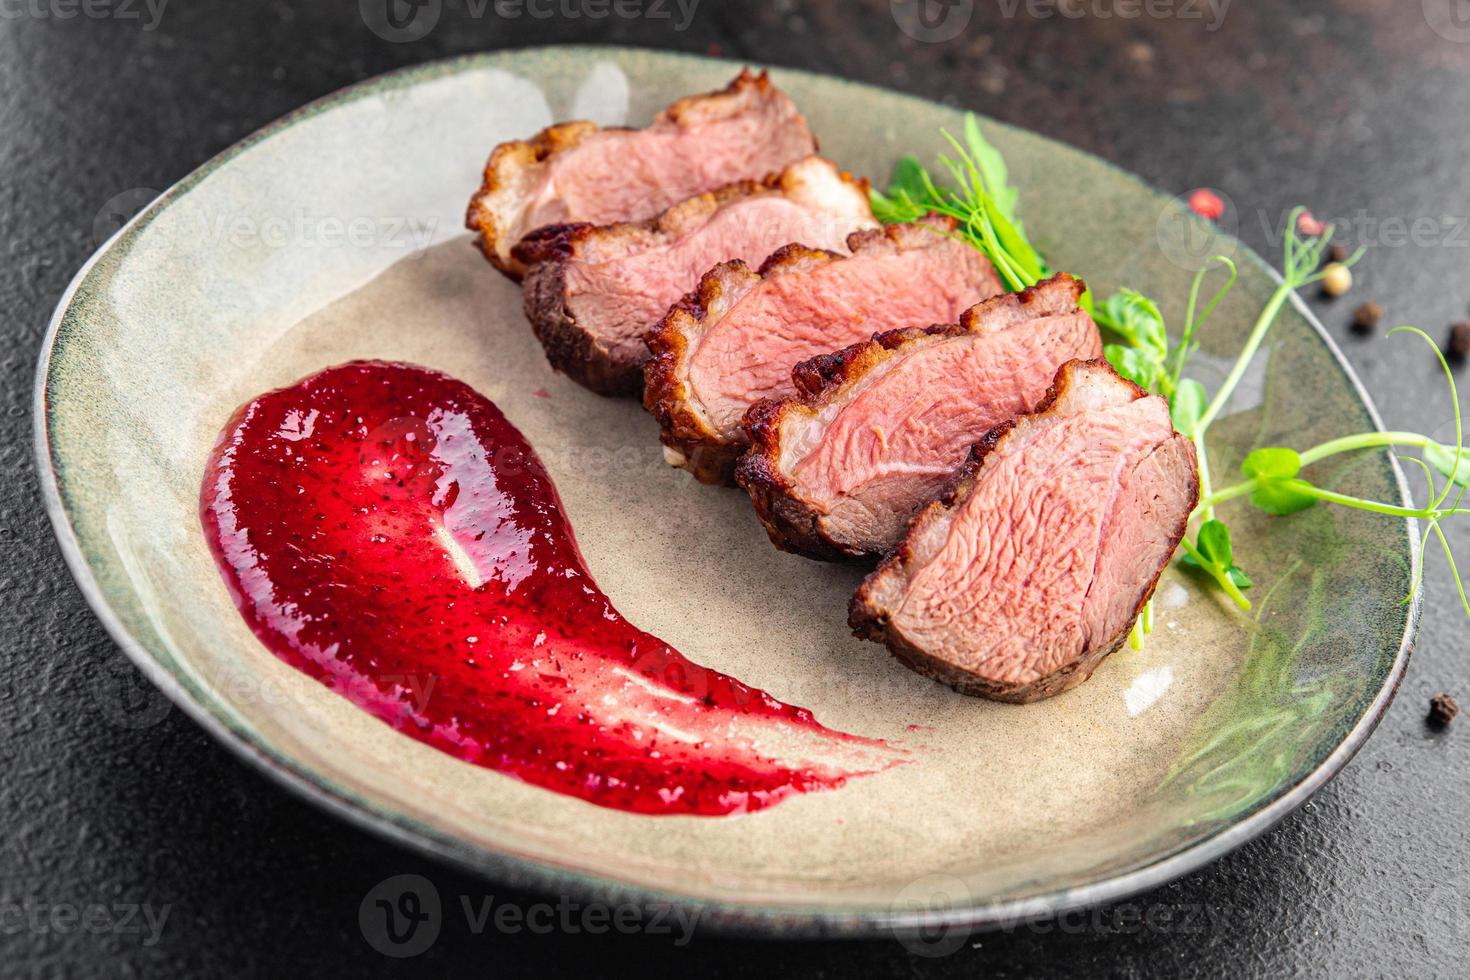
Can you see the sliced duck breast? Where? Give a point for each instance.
(1035, 565)
(877, 430)
(592, 292)
(736, 339)
(579, 172)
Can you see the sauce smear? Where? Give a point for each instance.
(384, 529)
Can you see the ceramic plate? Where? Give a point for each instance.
(336, 234)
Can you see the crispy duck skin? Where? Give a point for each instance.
(736, 338)
(876, 430)
(575, 172)
(593, 292)
(1033, 567)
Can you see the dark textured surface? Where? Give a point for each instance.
(110, 798)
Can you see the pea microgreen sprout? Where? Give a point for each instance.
(983, 204)
(1301, 267)
(1147, 360)
(981, 201)
(1274, 483)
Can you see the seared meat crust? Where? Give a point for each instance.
(520, 190)
(871, 616)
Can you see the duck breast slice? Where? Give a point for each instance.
(878, 430)
(1034, 566)
(577, 172)
(735, 340)
(592, 292)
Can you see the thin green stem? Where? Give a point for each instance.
(1248, 487)
(1422, 513)
(1454, 571)
(1365, 440)
(1222, 578)
(1193, 324)
(1247, 354)
(1288, 251)
(1207, 504)
(1233, 592)
(1455, 401)
(1229, 493)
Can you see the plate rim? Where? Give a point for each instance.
(763, 918)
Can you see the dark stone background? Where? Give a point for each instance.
(1353, 106)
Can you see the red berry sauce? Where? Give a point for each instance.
(383, 528)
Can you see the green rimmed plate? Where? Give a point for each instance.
(335, 234)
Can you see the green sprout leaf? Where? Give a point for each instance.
(1272, 464)
(1214, 543)
(1452, 465)
(1136, 318)
(909, 178)
(993, 170)
(1188, 405)
(1280, 492)
(1283, 497)
(1212, 554)
(1144, 358)
(980, 199)
(1134, 363)
(907, 198)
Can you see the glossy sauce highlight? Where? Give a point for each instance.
(384, 529)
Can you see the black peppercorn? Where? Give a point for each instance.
(1367, 317)
(1442, 710)
(1460, 340)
